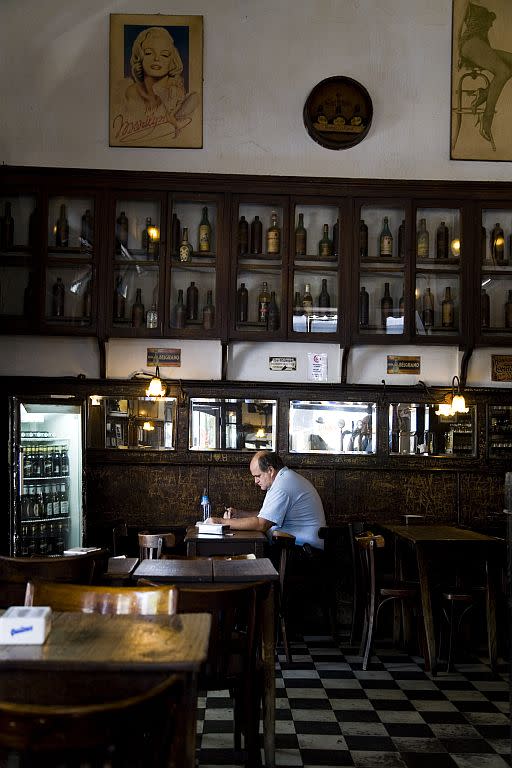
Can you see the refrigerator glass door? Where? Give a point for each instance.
(50, 479)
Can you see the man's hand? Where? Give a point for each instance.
(229, 513)
(214, 520)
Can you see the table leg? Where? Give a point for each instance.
(491, 612)
(426, 603)
(269, 678)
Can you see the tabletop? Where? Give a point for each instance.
(120, 566)
(193, 534)
(438, 533)
(180, 570)
(117, 642)
(244, 570)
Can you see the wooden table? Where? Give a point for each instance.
(120, 569)
(439, 542)
(231, 543)
(232, 571)
(122, 648)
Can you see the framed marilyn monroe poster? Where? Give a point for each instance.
(156, 81)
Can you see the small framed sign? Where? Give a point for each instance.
(338, 113)
(501, 367)
(163, 357)
(404, 364)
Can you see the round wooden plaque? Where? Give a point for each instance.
(338, 113)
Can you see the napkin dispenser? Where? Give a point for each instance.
(25, 626)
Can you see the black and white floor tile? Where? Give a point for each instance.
(329, 712)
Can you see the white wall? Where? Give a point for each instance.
(261, 60)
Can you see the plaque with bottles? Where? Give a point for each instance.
(438, 280)
(316, 246)
(499, 431)
(417, 430)
(19, 227)
(319, 426)
(70, 263)
(230, 424)
(381, 244)
(496, 274)
(136, 304)
(196, 238)
(261, 245)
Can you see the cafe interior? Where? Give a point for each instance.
(344, 206)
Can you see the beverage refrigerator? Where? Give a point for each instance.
(46, 468)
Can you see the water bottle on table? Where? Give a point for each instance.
(206, 507)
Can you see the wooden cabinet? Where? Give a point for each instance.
(350, 261)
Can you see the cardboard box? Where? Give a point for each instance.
(25, 626)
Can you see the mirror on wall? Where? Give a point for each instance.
(321, 426)
(417, 430)
(140, 422)
(230, 424)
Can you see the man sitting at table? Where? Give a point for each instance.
(291, 503)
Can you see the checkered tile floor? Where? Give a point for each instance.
(330, 712)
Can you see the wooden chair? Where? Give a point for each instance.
(16, 571)
(136, 731)
(283, 542)
(148, 601)
(152, 544)
(375, 595)
(234, 653)
(357, 610)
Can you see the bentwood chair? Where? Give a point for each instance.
(284, 542)
(45, 726)
(148, 601)
(151, 545)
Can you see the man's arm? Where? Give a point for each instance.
(251, 523)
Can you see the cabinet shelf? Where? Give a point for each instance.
(316, 258)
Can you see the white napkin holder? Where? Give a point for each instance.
(20, 625)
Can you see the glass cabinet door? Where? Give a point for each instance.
(70, 263)
(381, 243)
(315, 250)
(139, 422)
(19, 238)
(320, 426)
(136, 308)
(499, 431)
(261, 248)
(496, 275)
(438, 281)
(230, 424)
(196, 239)
(416, 429)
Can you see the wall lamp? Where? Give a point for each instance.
(457, 403)
(156, 386)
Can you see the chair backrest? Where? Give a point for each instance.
(148, 601)
(16, 571)
(152, 544)
(367, 544)
(235, 612)
(138, 730)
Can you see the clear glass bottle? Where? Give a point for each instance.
(242, 304)
(364, 308)
(386, 240)
(300, 237)
(263, 302)
(152, 317)
(307, 299)
(205, 233)
(208, 312)
(447, 309)
(138, 314)
(422, 240)
(386, 306)
(325, 244)
(428, 309)
(442, 241)
(186, 249)
(273, 236)
(192, 301)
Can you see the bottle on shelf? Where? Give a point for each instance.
(307, 299)
(205, 505)
(175, 232)
(7, 228)
(121, 232)
(62, 229)
(149, 240)
(508, 310)
(428, 309)
(138, 313)
(401, 241)
(152, 317)
(300, 237)
(58, 295)
(401, 304)
(422, 240)
(64, 501)
(273, 313)
(263, 302)
(485, 309)
(64, 461)
(324, 300)
(273, 236)
(256, 236)
(386, 305)
(325, 244)
(364, 308)
(87, 301)
(119, 299)
(442, 241)
(336, 239)
(208, 312)
(56, 462)
(87, 229)
(363, 239)
(447, 309)
(192, 301)
(386, 240)
(186, 249)
(297, 304)
(498, 244)
(243, 236)
(180, 312)
(242, 304)
(205, 233)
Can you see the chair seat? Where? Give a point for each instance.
(398, 590)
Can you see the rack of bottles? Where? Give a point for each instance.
(499, 419)
(496, 272)
(44, 499)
